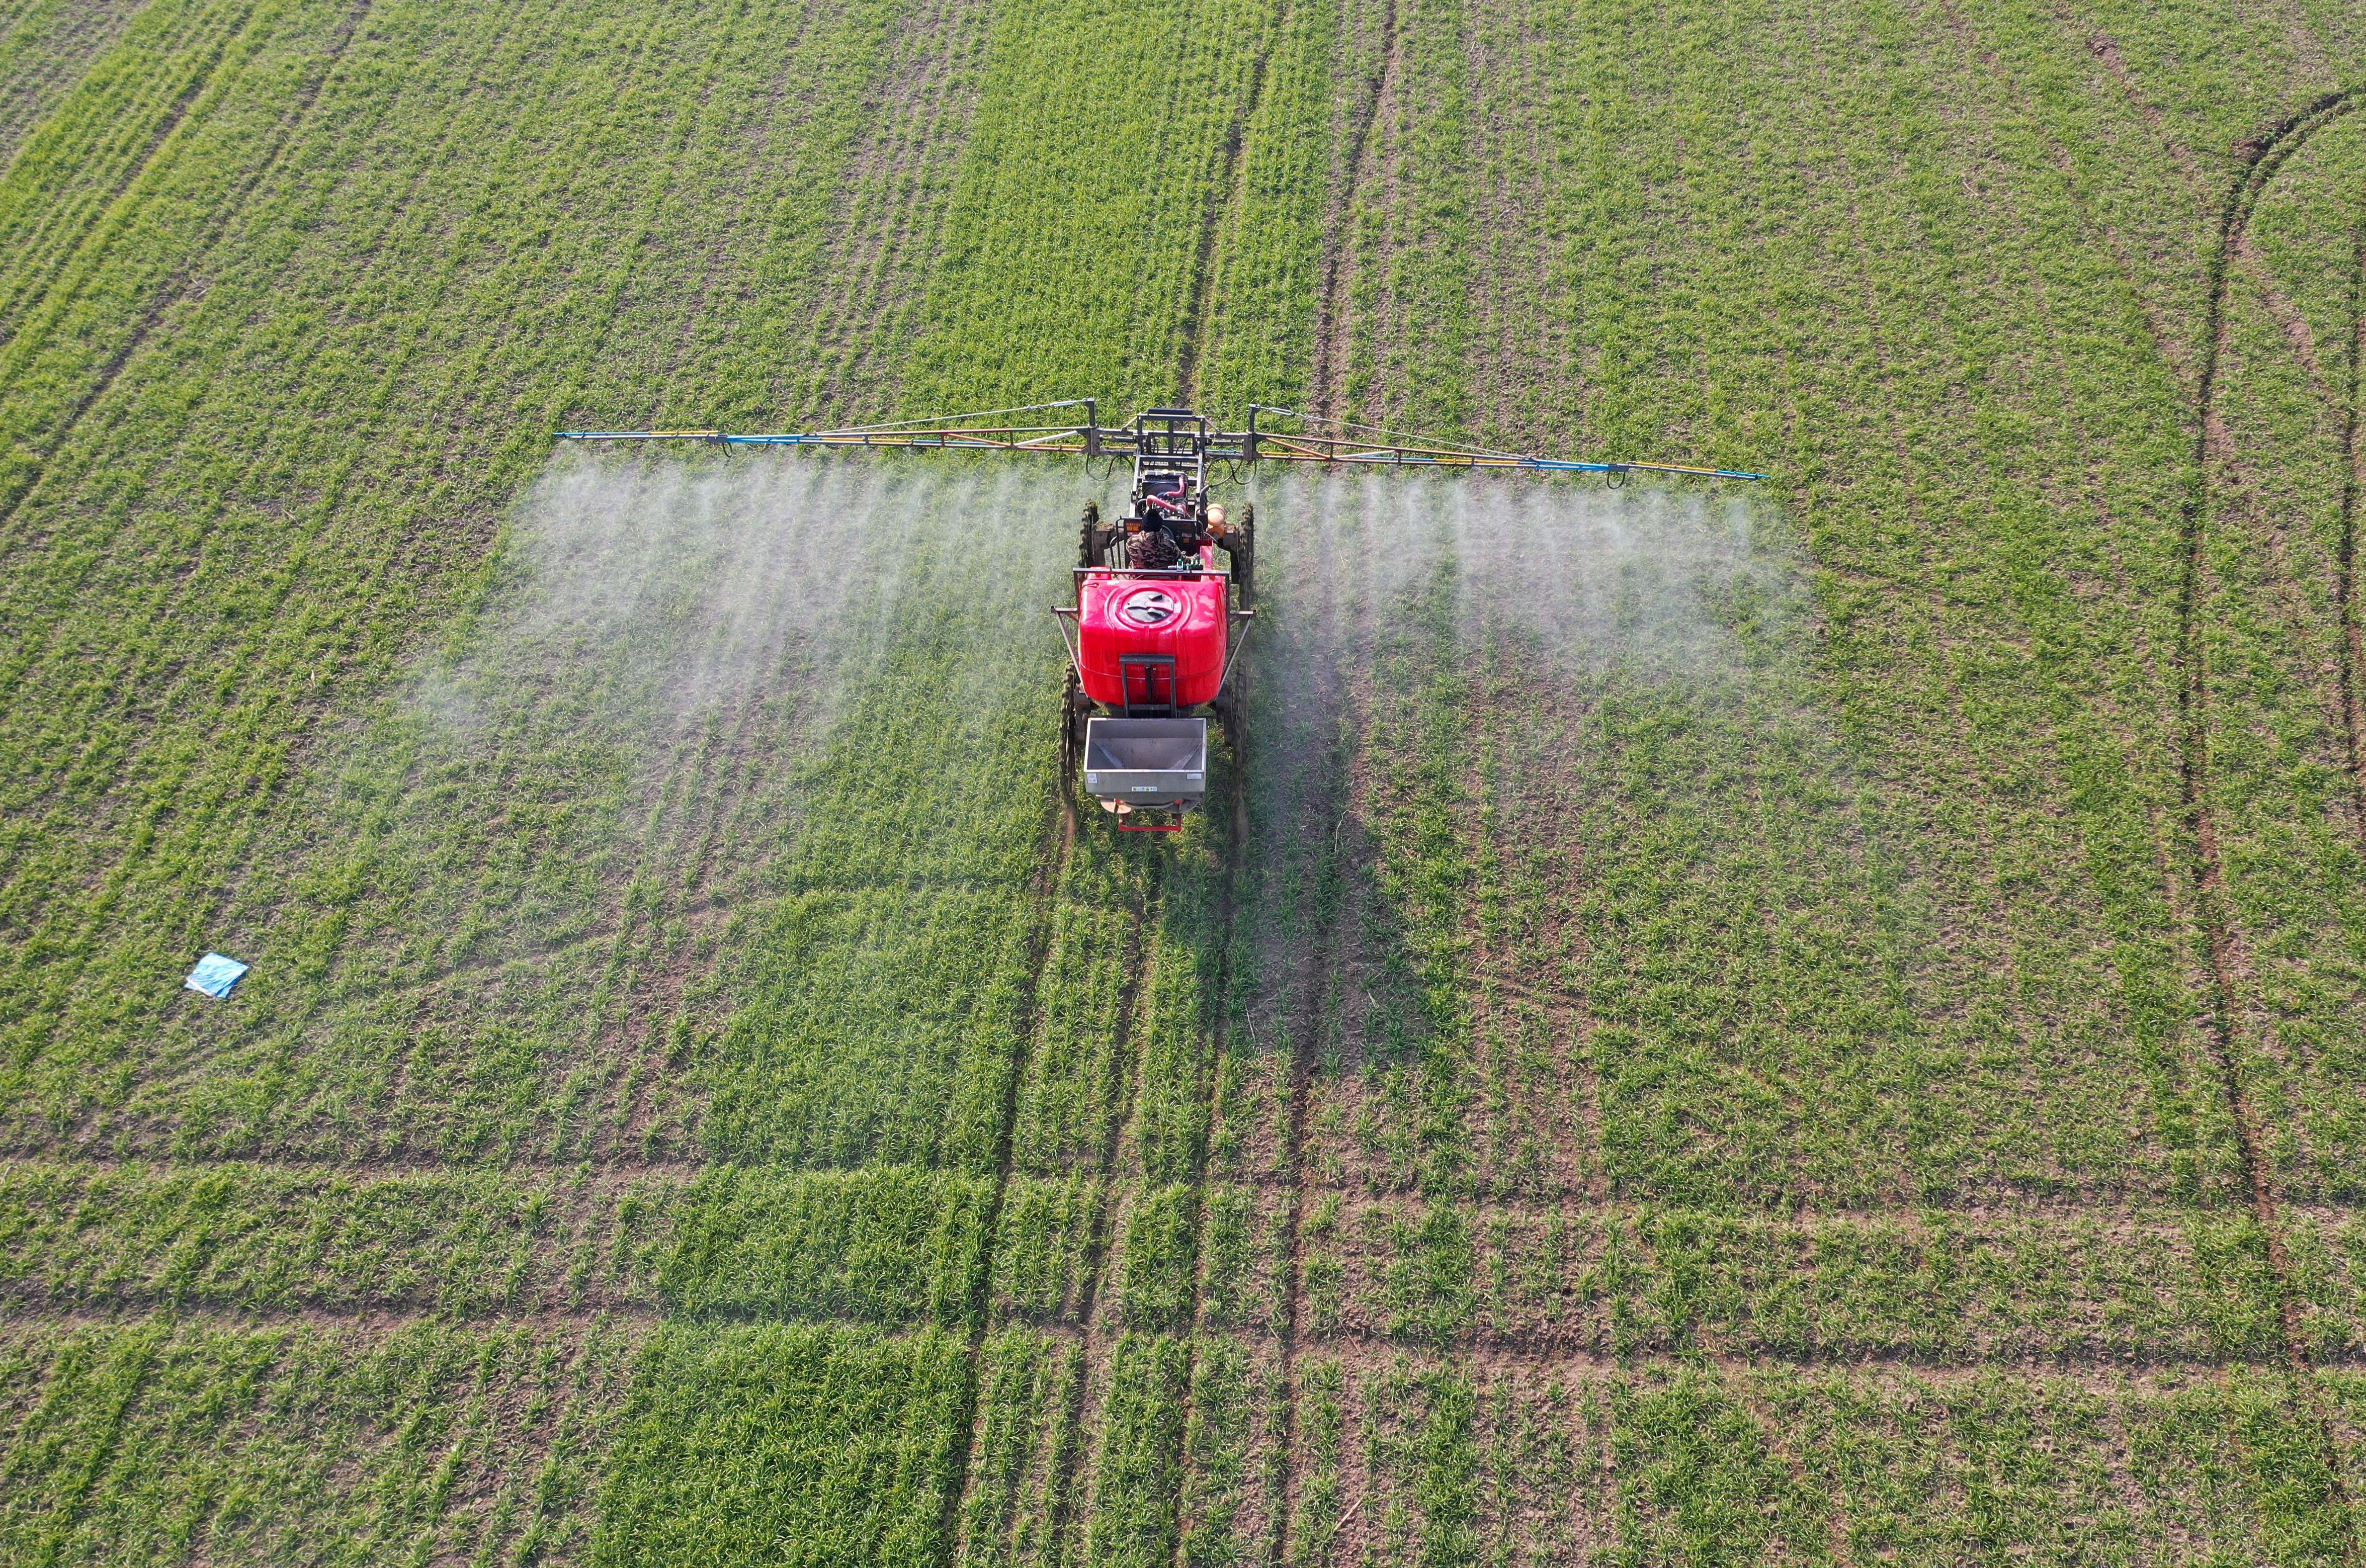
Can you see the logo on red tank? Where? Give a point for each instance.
(1150, 607)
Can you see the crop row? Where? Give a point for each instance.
(353, 185)
(1405, 1458)
(2281, 793)
(1078, 232)
(150, 1441)
(889, 1244)
(46, 47)
(130, 1442)
(899, 1246)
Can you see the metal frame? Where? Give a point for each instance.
(1151, 440)
(1150, 664)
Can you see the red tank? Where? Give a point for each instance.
(1182, 618)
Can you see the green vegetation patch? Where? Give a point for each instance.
(153, 1441)
(749, 1445)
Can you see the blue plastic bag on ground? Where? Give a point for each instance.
(215, 976)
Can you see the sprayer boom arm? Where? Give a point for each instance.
(1153, 433)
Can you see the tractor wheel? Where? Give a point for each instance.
(1244, 557)
(1089, 546)
(1073, 707)
(1075, 711)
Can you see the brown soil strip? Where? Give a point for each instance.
(2205, 872)
(608, 1174)
(602, 1173)
(2104, 49)
(1999, 1202)
(1575, 1364)
(1548, 1350)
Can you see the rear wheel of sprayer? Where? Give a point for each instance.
(1242, 552)
(1227, 709)
(1074, 707)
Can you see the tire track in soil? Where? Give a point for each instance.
(1098, 1242)
(1099, 1246)
(2351, 653)
(1236, 848)
(2206, 869)
(27, 302)
(2280, 304)
(1223, 197)
(2234, 244)
(175, 284)
(1054, 852)
(1330, 349)
(1312, 1013)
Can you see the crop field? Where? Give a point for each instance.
(1813, 1023)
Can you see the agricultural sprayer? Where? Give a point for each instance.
(1155, 630)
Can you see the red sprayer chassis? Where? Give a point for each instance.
(1154, 624)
